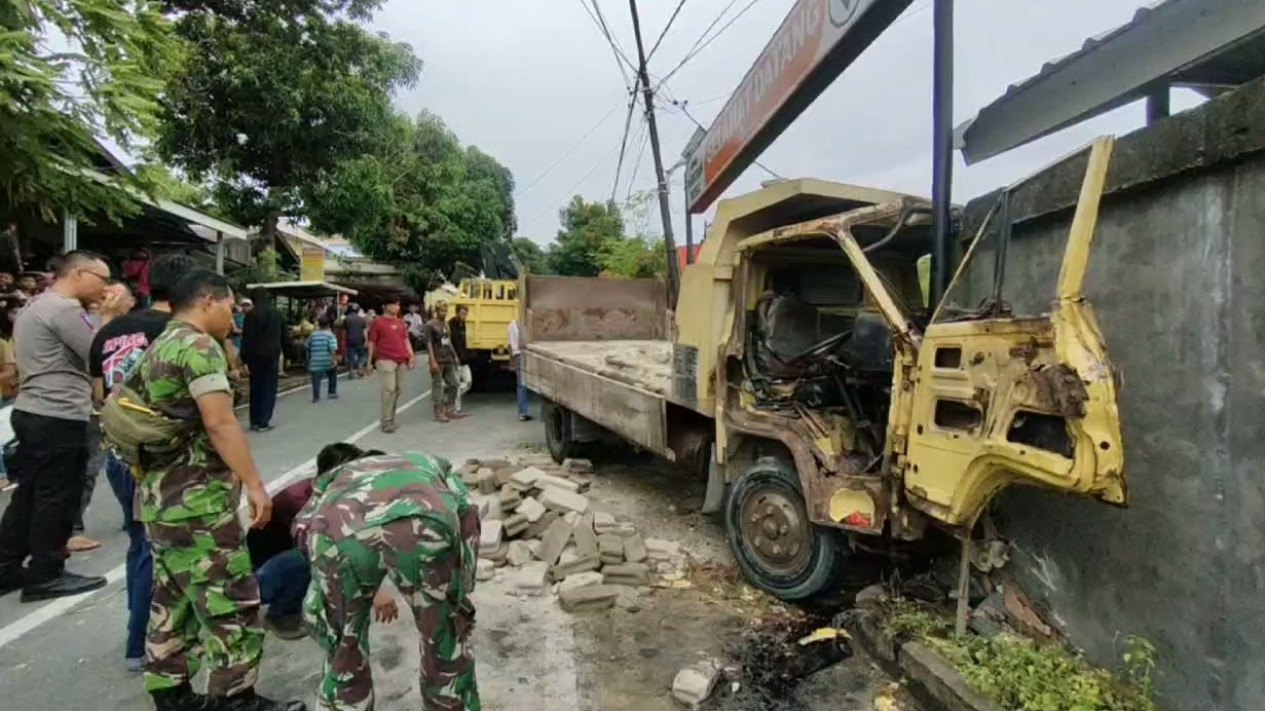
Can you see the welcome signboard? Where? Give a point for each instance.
(816, 42)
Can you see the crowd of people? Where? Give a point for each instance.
(161, 379)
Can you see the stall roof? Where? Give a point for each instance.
(1206, 46)
(303, 289)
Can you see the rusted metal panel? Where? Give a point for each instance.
(594, 309)
(632, 413)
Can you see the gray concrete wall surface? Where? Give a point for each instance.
(1177, 278)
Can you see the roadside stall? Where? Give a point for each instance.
(300, 301)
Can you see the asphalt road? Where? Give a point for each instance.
(68, 654)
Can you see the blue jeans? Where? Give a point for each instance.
(522, 386)
(356, 357)
(332, 375)
(283, 582)
(140, 562)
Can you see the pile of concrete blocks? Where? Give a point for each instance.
(539, 525)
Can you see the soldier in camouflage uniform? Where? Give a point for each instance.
(406, 517)
(206, 599)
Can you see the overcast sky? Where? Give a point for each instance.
(525, 81)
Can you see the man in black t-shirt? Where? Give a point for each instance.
(116, 349)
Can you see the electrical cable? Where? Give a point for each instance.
(569, 151)
(623, 144)
(666, 27)
(620, 58)
(699, 48)
(641, 154)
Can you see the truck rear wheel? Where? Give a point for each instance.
(778, 549)
(558, 433)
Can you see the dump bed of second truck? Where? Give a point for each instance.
(599, 348)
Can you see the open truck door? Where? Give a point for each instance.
(995, 400)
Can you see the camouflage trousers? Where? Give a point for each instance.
(205, 606)
(424, 561)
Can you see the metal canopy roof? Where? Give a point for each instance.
(303, 289)
(1207, 45)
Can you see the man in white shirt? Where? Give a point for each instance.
(516, 350)
(414, 321)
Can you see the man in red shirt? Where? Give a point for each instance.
(390, 350)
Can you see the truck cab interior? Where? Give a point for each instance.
(815, 341)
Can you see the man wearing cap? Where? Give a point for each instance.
(392, 354)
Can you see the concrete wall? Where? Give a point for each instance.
(1177, 277)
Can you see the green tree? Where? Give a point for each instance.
(53, 103)
(421, 201)
(531, 255)
(632, 258)
(586, 228)
(277, 98)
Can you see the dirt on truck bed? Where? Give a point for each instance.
(643, 364)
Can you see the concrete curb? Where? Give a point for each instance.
(931, 678)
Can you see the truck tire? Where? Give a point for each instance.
(558, 434)
(777, 548)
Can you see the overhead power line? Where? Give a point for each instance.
(698, 48)
(624, 143)
(666, 27)
(681, 106)
(621, 59)
(641, 154)
(568, 152)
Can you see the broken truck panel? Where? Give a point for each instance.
(1004, 400)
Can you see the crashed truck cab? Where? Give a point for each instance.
(846, 405)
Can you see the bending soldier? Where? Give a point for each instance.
(405, 517)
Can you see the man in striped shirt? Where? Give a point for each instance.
(322, 346)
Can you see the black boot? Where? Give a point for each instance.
(12, 579)
(250, 701)
(178, 698)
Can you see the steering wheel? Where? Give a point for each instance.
(821, 348)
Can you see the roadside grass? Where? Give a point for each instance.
(1021, 675)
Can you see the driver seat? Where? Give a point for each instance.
(790, 327)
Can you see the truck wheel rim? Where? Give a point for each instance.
(776, 531)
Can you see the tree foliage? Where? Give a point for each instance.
(531, 255)
(276, 99)
(422, 201)
(593, 241)
(54, 103)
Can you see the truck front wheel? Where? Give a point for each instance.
(558, 431)
(778, 549)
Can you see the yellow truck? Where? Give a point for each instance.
(493, 304)
(829, 408)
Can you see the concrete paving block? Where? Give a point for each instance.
(484, 569)
(577, 466)
(580, 580)
(548, 481)
(490, 508)
(660, 549)
(537, 529)
(571, 563)
(527, 476)
(490, 535)
(555, 539)
(532, 578)
(532, 509)
(534, 547)
(519, 554)
(559, 500)
(588, 598)
(487, 480)
(635, 549)
(515, 525)
(571, 517)
(496, 555)
(584, 537)
(611, 548)
(604, 522)
(695, 683)
(509, 498)
(635, 574)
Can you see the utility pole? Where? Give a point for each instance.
(942, 147)
(665, 210)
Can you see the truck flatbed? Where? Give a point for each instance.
(644, 364)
